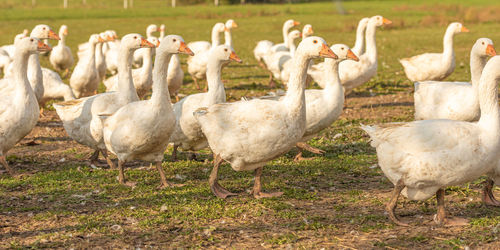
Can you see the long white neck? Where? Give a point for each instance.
(62, 42)
(285, 34)
(488, 97)
(161, 97)
(359, 45)
(20, 72)
(292, 46)
(228, 38)
(371, 44)
(215, 37)
(98, 50)
(295, 98)
(216, 92)
(147, 61)
(162, 34)
(125, 83)
(477, 63)
(448, 52)
(333, 89)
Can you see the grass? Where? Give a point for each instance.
(334, 200)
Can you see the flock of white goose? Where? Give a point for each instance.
(455, 140)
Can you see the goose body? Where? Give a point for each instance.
(276, 62)
(61, 57)
(423, 157)
(80, 117)
(188, 134)
(128, 133)
(434, 66)
(454, 100)
(85, 77)
(263, 46)
(18, 104)
(248, 139)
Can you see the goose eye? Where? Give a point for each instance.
(315, 41)
(483, 43)
(43, 28)
(175, 40)
(135, 37)
(31, 40)
(225, 50)
(342, 48)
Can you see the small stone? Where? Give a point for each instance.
(62, 160)
(163, 208)
(116, 227)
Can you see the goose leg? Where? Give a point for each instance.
(216, 188)
(272, 84)
(93, 158)
(108, 160)
(440, 217)
(174, 153)
(164, 182)
(196, 83)
(309, 148)
(390, 207)
(488, 197)
(6, 165)
(257, 187)
(121, 175)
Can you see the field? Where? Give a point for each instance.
(335, 200)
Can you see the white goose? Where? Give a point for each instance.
(352, 73)
(143, 76)
(197, 64)
(18, 104)
(359, 45)
(80, 117)
(276, 61)
(10, 48)
(200, 46)
(263, 47)
(111, 51)
(422, 158)
(307, 31)
(434, 66)
(61, 57)
(454, 100)
(175, 74)
(248, 139)
(188, 134)
(100, 60)
(138, 54)
(128, 133)
(228, 38)
(85, 77)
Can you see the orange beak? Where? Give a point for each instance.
(327, 52)
(352, 56)
(235, 25)
(65, 32)
(234, 57)
(300, 34)
(295, 23)
(100, 40)
(110, 38)
(490, 50)
(311, 31)
(464, 29)
(226, 29)
(53, 35)
(115, 36)
(146, 44)
(42, 47)
(157, 43)
(386, 21)
(184, 49)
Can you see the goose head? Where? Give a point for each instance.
(19, 37)
(134, 41)
(219, 27)
(290, 23)
(43, 31)
(307, 31)
(95, 39)
(224, 53)
(343, 52)
(456, 28)
(63, 31)
(150, 29)
(155, 41)
(484, 47)
(31, 45)
(174, 44)
(294, 34)
(314, 46)
(379, 21)
(364, 21)
(113, 33)
(231, 24)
